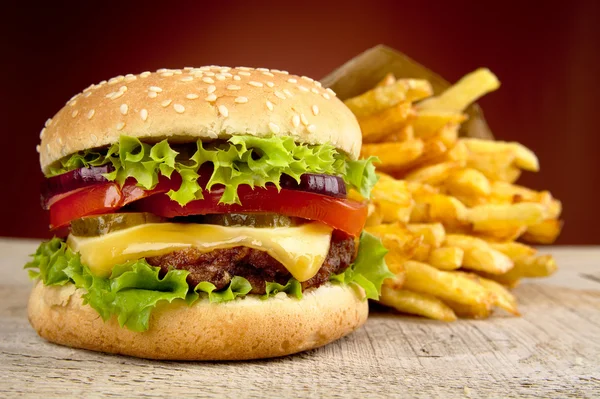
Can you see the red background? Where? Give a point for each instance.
(545, 54)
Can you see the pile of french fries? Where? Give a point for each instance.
(448, 208)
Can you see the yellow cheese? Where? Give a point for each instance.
(300, 249)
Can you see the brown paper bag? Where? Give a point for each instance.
(363, 72)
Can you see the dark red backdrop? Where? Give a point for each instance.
(545, 54)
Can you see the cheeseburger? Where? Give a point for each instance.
(204, 214)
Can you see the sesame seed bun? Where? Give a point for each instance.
(200, 103)
(248, 328)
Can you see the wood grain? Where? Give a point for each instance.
(552, 351)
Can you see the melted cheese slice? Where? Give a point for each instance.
(302, 249)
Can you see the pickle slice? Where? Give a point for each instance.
(91, 226)
(253, 220)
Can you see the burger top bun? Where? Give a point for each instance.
(200, 103)
(247, 328)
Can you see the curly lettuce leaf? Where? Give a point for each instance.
(291, 288)
(244, 159)
(238, 286)
(369, 269)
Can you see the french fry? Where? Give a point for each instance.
(393, 199)
(407, 133)
(377, 126)
(433, 233)
(438, 208)
(514, 250)
(400, 242)
(427, 122)
(422, 253)
(496, 166)
(544, 232)
(394, 156)
(382, 98)
(446, 258)
(479, 255)
(421, 189)
(434, 174)
(387, 80)
(527, 266)
(495, 216)
(416, 303)
(468, 182)
(504, 299)
(524, 158)
(423, 278)
(477, 311)
(464, 92)
(501, 234)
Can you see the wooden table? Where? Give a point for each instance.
(552, 351)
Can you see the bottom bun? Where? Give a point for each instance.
(248, 328)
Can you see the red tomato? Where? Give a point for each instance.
(342, 214)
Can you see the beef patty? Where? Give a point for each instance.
(258, 267)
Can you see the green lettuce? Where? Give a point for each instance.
(240, 160)
(292, 288)
(369, 269)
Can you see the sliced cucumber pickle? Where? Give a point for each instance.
(253, 219)
(91, 226)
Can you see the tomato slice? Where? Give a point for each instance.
(341, 214)
(103, 198)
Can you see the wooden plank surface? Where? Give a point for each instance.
(552, 351)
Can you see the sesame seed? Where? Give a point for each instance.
(120, 125)
(233, 87)
(288, 93)
(166, 103)
(292, 80)
(262, 69)
(48, 122)
(303, 119)
(187, 68)
(244, 73)
(74, 97)
(180, 109)
(315, 110)
(144, 114)
(268, 74)
(311, 128)
(186, 79)
(296, 120)
(94, 137)
(48, 147)
(244, 68)
(326, 96)
(220, 77)
(166, 74)
(236, 77)
(204, 68)
(208, 80)
(307, 78)
(330, 91)
(227, 74)
(124, 108)
(155, 88)
(60, 141)
(191, 96)
(241, 100)
(161, 70)
(102, 83)
(211, 89)
(87, 94)
(91, 113)
(42, 132)
(303, 88)
(209, 73)
(211, 97)
(152, 94)
(145, 74)
(270, 84)
(198, 74)
(317, 83)
(87, 89)
(117, 94)
(115, 80)
(223, 110)
(280, 95)
(37, 148)
(72, 103)
(279, 71)
(269, 105)
(255, 84)
(274, 128)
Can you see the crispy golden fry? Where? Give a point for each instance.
(464, 92)
(393, 199)
(478, 311)
(407, 133)
(423, 278)
(416, 303)
(449, 134)
(496, 166)
(545, 232)
(479, 255)
(399, 241)
(394, 156)
(378, 126)
(421, 189)
(492, 217)
(513, 250)
(387, 80)
(459, 153)
(468, 182)
(504, 299)
(422, 253)
(524, 158)
(527, 266)
(432, 233)
(441, 208)
(374, 216)
(434, 174)
(427, 122)
(501, 234)
(381, 98)
(446, 258)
